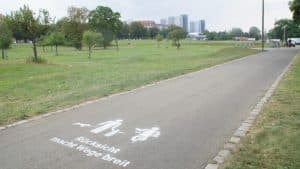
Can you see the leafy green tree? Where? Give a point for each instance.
(223, 35)
(28, 25)
(42, 22)
(237, 32)
(90, 39)
(1, 17)
(164, 32)
(56, 39)
(79, 15)
(137, 30)
(254, 32)
(106, 21)
(43, 41)
(45, 21)
(295, 8)
(5, 38)
(211, 35)
(283, 26)
(116, 28)
(73, 26)
(124, 33)
(176, 34)
(159, 38)
(15, 26)
(74, 31)
(153, 32)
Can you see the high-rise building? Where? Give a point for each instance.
(171, 20)
(181, 21)
(197, 26)
(163, 22)
(202, 26)
(193, 27)
(178, 21)
(184, 22)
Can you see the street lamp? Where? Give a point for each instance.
(263, 26)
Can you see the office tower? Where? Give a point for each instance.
(171, 20)
(202, 26)
(192, 26)
(184, 22)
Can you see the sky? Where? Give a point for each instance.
(220, 15)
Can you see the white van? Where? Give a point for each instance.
(295, 41)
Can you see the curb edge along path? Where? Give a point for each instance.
(242, 131)
(113, 95)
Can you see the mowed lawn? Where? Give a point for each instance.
(70, 78)
(274, 142)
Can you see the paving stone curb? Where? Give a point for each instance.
(242, 131)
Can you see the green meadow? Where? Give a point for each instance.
(28, 89)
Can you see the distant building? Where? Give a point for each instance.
(163, 22)
(197, 26)
(193, 27)
(202, 26)
(184, 22)
(181, 21)
(161, 26)
(171, 20)
(196, 36)
(147, 23)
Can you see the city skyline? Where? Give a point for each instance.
(184, 22)
(181, 21)
(221, 15)
(197, 26)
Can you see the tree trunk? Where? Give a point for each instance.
(90, 50)
(3, 53)
(117, 44)
(56, 52)
(35, 51)
(104, 45)
(6, 57)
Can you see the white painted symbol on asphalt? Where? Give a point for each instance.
(144, 134)
(81, 124)
(111, 128)
(109, 125)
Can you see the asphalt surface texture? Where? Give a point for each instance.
(176, 124)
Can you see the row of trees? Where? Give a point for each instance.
(42, 30)
(285, 28)
(99, 27)
(137, 31)
(254, 32)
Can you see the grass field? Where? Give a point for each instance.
(274, 142)
(30, 89)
